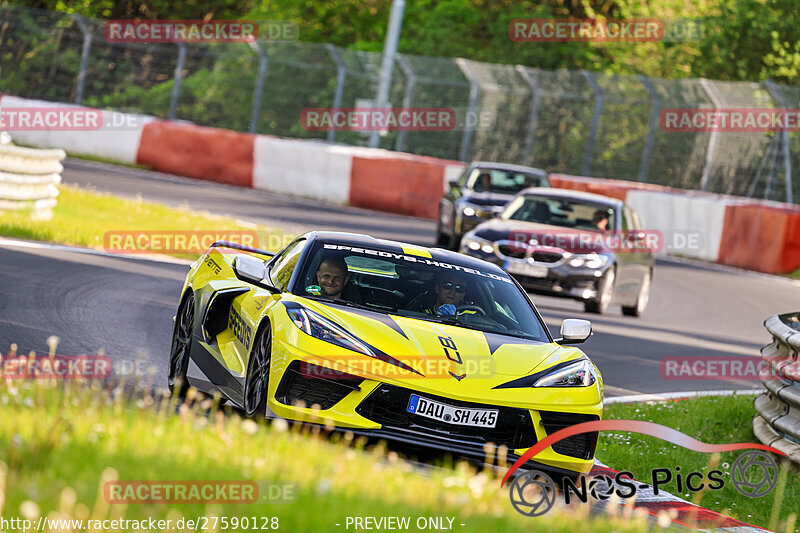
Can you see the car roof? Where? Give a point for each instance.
(437, 254)
(507, 166)
(570, 193)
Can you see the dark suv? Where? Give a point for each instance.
(480, 193)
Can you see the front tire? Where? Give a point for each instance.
(181, 346)
(605, 290)
(642, 299)
(257, 380)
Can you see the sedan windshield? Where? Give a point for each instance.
(503, 181)
(387, 280)
(562, 212)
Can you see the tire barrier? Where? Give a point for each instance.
(777, 423)
(29, 179)
(753, 234)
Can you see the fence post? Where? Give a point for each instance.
(341, 73)
(598, 107)
(533, 118)
(776, 93)
(474, 92)
(176, 86)
(408, 98)
(655, 100)
(85, 50)
(768, 155)
(713, 139)
(258, 94)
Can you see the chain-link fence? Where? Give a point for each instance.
(574, 122)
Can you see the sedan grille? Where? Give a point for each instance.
(387, 405)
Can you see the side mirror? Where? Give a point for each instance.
(453, 184)
(574, 331)
(252, 270)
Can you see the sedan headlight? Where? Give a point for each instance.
(590, 260)
(579, 374)
(475, 244)
(321, 328)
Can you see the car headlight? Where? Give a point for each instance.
(469, 211)
(321, 328)
(590, 260)
(475, 244)
(579, 374)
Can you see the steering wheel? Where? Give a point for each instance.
(470, 307)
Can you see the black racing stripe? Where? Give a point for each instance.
(496, 340)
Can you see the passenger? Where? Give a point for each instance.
(450, 289)
(600, 219)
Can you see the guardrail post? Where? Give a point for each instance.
(713, 139)
(533, 118)
(341, 74)
(598, 107)
(176, 86)
(259, 90)
(474, 92)
(655, 100)
(776, 93)
(408, 98)
(777, 422)
(85, 50)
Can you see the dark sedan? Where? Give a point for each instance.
(572, 244)
(480, 193)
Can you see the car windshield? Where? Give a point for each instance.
(562, 212)
(387, 280)
(503, 181)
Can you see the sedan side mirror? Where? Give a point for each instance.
(252, 270)
(574, 331)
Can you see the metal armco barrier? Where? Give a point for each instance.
(777, 423)
(29, 179)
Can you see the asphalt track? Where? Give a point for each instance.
(125, 305)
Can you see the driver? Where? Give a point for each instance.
(450, 289)
(332, 277)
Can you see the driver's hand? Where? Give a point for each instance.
(446, 310)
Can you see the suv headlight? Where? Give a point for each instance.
(590, 260)
(475, 244)
(321, 328)
(579, 374)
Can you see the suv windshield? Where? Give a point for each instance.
(387, 280)
(503, 181)
(562, 212)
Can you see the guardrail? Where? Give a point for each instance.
(777, 423)
(29, 178)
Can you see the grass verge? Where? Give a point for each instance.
(61, 444)
(714, 420)
(82, 217)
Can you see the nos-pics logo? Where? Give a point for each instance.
(533, 493)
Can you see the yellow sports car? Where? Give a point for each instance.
(422, 347)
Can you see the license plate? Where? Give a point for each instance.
(461, 416)
(525, 269)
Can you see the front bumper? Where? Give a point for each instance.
(561, 280)
(357, 410)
